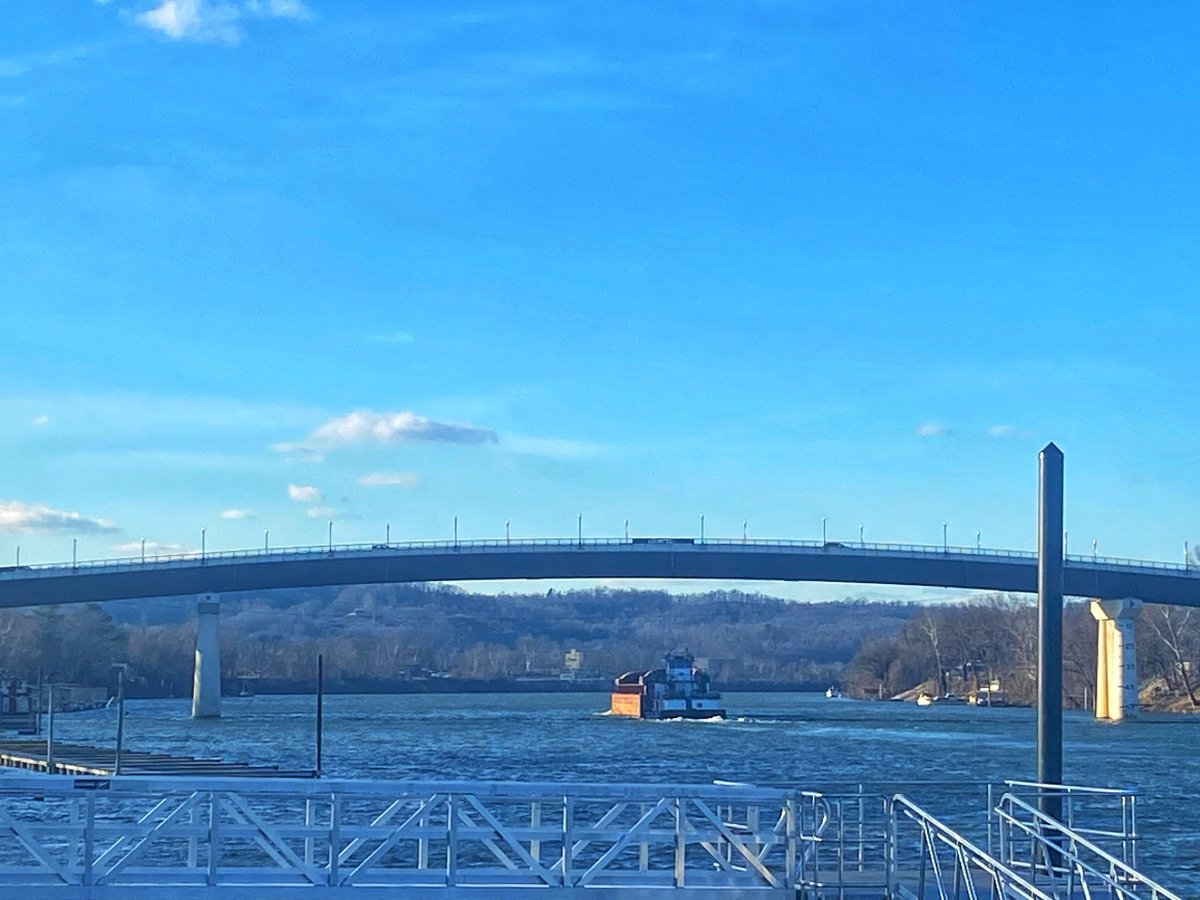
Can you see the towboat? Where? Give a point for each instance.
(678, 690)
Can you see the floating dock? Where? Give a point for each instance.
(77, 759)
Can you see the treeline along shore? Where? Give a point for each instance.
(435, 638)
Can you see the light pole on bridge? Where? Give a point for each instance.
(860, 536)
(143, 550)
(945, 542)
(203, 543)
(626, 529)
(702, 528)
(743, 531)
(331, 535)
(266, 540)
(580, 529)
(978, 540)
(824, 540)
(456, 531)
(74, 553)
(507, 540)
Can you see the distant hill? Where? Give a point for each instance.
(391, 631)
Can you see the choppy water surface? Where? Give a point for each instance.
(799, 738)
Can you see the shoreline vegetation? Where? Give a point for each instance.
(418, 638)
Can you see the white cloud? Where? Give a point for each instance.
(364, 426)
(304, 493)
(1001, 431)
(237, 515)
(321, 512)
(41, 420)
(215, 21)
(194, 20)
(18, 516)
(153, 548)
(389, 479)
(932, 429)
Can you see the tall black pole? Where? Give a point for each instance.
(320, 707)
(120, 719)
(1050, 625)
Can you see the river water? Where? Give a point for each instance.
(802, 739)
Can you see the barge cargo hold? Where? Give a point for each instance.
(677, 691)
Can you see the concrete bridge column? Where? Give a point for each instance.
(1116, 658)
(206, 680)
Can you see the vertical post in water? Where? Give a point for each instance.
(50, 730)
(120, 719)
(320, 707)
(1050, 624)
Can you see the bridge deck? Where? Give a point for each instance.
(676, 558)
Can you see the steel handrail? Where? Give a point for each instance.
(1060, 849)
(1007, 881)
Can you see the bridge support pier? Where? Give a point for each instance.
(206, 679)
(1116, 658)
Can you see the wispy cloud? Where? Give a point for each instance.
(41, 420)
(237, 515)
(155, 548)
(215, 21)
(304, 493)
(19, 66)
(389, 479)
(1003, 431)
(321, 512)
(932, 429)
(33, 517)
(391, 337)
(368, 427)
(552, 448)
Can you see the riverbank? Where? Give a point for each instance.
(233, 687)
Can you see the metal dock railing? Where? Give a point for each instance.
(135, 836)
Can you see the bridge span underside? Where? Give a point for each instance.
(731, 561)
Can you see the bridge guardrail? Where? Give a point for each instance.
(586, 544)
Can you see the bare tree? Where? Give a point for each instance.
(1178, 633)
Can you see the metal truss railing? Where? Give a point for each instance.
(585, 544)
(1064, 861)
(137, 836)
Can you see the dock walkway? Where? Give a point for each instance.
(78, 759)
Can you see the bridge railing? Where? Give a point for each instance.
(267, 554)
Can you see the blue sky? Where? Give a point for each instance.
(770, 262)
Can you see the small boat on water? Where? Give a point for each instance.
(832, 693)
(678, 690)
(925, 700)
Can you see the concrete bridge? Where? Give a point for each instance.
(1116, 585)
